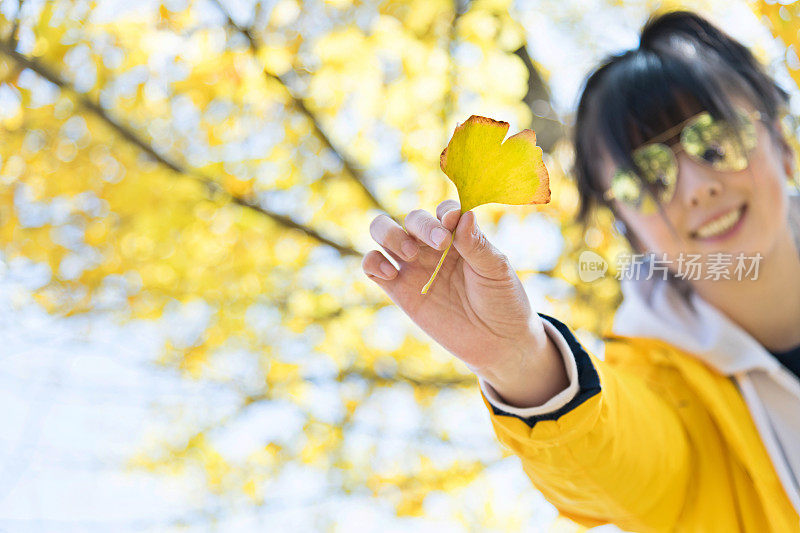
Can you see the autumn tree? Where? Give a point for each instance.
(228, 158)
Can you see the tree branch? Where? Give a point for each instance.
(460, 7)
(350, 166)
(546, 123)
(269, 394)
(12, 36)
(127, 133)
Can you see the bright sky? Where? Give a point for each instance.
(80, 396)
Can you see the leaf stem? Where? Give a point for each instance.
(436, 270)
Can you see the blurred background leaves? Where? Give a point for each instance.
(212, 167)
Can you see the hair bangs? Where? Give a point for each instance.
(649, 93)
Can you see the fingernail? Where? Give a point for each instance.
(409, 249)
(438, 235)
(387, 269)
(448, 213)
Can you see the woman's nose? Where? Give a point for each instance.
(700, 185)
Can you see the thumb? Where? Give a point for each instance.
(477, 251)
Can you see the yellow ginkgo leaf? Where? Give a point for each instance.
(487, 170)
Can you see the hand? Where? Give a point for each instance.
(477, 308)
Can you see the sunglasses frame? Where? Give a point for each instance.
(675, 149)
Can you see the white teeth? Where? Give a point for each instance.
(720, 225)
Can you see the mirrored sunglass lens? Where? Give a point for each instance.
(627, 188)
(718, 144)
(657, 165)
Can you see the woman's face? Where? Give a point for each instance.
(718, 211)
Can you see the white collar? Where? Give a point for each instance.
(653, 308)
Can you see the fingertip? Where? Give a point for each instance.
(475, 229)
(388, 270)
(467, 229)
(373, 277)
(467, 221)
(440, 238)
(380, 277)
(377, 268)
(451, 218)
(446, 206)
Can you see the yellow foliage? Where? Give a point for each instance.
(281, 373)
(128, 185)
(783, 19)
(252, 490)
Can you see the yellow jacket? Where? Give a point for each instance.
(656, 441)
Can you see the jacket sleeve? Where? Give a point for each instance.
(613, 450)
(575, 393)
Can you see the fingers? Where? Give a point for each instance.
(425, 227)
(444, 207)
(477, 251)
(403, 244)
(448, 212)
(376, 265)
(394, 240)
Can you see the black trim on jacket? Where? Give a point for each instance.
(588, 380)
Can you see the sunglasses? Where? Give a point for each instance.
(712, 142)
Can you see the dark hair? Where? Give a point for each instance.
(683, 65)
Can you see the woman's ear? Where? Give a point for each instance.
(788, 157)
(789, 162)
(788, 154)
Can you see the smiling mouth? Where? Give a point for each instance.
(720, 225)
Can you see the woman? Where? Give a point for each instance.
(692, 419)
